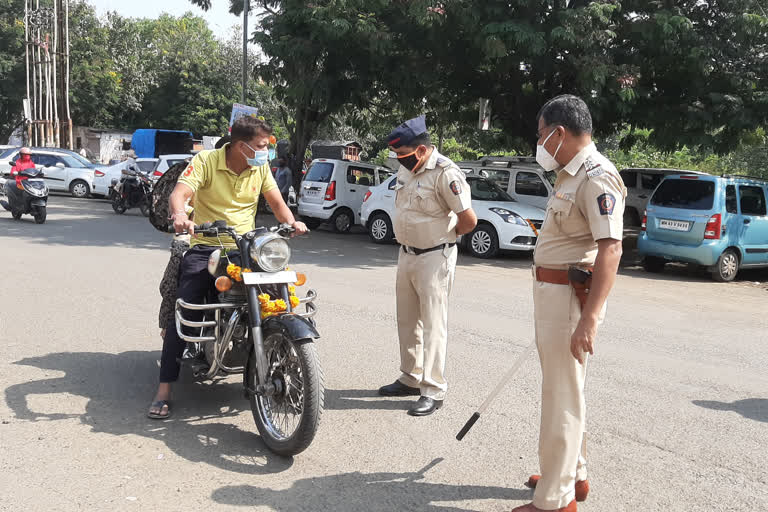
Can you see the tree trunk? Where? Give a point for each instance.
(306, 123)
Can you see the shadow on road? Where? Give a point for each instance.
(119, 388)
(347, 399)
(751, 408)
(373, 492)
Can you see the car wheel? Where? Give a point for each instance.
(653, 264)
(380, 228)
(727, 266)
(79, 189)
(342, 220)
(483, 242)
(311, 223)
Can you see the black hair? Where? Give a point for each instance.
(569, 111)
(248, 127)
(221, 142)
(421, 139)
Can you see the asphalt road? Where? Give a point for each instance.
(677, 390)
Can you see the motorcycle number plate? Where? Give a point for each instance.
(254, 278)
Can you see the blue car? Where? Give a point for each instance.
(718, 222)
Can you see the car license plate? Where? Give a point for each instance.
(674, 225)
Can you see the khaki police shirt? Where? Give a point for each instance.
(220, 194)
(427, 202)
(586, 206)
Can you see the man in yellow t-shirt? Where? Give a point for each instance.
(226, 184)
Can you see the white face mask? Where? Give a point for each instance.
(544, 159)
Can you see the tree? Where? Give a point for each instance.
(12, 66)
(693, 72)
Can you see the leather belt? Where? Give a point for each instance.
(554, 276)
(418, 252)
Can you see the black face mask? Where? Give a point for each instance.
(409, 161)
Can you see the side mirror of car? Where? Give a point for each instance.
(59, 165)
(38, 166)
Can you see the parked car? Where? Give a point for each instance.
(520, 176)
(64, 170)
(103, 176)
(640, 185)
(503, 223)
(718, 222)
(165, 162)
(333, 190)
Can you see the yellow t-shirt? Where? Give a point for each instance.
(220, 194)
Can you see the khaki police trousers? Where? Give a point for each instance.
(561, 435)
(424, 283)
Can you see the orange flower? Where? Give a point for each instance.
(272, 139)
(280, 305)
(263, 298)
(294, 301)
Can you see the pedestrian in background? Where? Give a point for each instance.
(284, 178)
(575, 263)
(432, 208)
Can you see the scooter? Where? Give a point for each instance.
(27, 195)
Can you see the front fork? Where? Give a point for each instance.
(254, 309)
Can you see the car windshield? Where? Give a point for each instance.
(686, 194)
(7, 152)
(171, 163)
(146, 165)
(320, 171)
(485, 190)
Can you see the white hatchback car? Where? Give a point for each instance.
(63, 170)
(520, 176)
(503, 223)
(333, 190)
(103, 176)
(165, 162)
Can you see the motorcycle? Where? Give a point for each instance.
(133, 190)
(240, 329)
(26, 196)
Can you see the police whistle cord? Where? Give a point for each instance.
(503, 382)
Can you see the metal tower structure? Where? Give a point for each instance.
(46, 107)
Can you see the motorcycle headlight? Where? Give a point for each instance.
(271, 253)
(509, 216)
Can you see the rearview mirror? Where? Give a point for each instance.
(59, 165)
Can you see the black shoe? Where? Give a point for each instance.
(425, 406)
(397, 388)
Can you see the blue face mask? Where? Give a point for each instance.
(259, 157)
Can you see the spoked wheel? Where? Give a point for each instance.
(288, 420)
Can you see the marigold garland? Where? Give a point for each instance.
(269, 307)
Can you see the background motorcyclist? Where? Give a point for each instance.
(24, 162)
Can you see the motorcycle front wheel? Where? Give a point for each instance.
(40, 214)
(144, 206)
(117, 203)
(289, 419)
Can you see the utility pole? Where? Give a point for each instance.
(246, 6)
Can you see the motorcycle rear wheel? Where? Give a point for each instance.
(16, 215)
(288, 420)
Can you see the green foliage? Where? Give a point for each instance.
(12, 66)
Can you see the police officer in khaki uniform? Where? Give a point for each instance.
(432, 207)
(575, 263)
